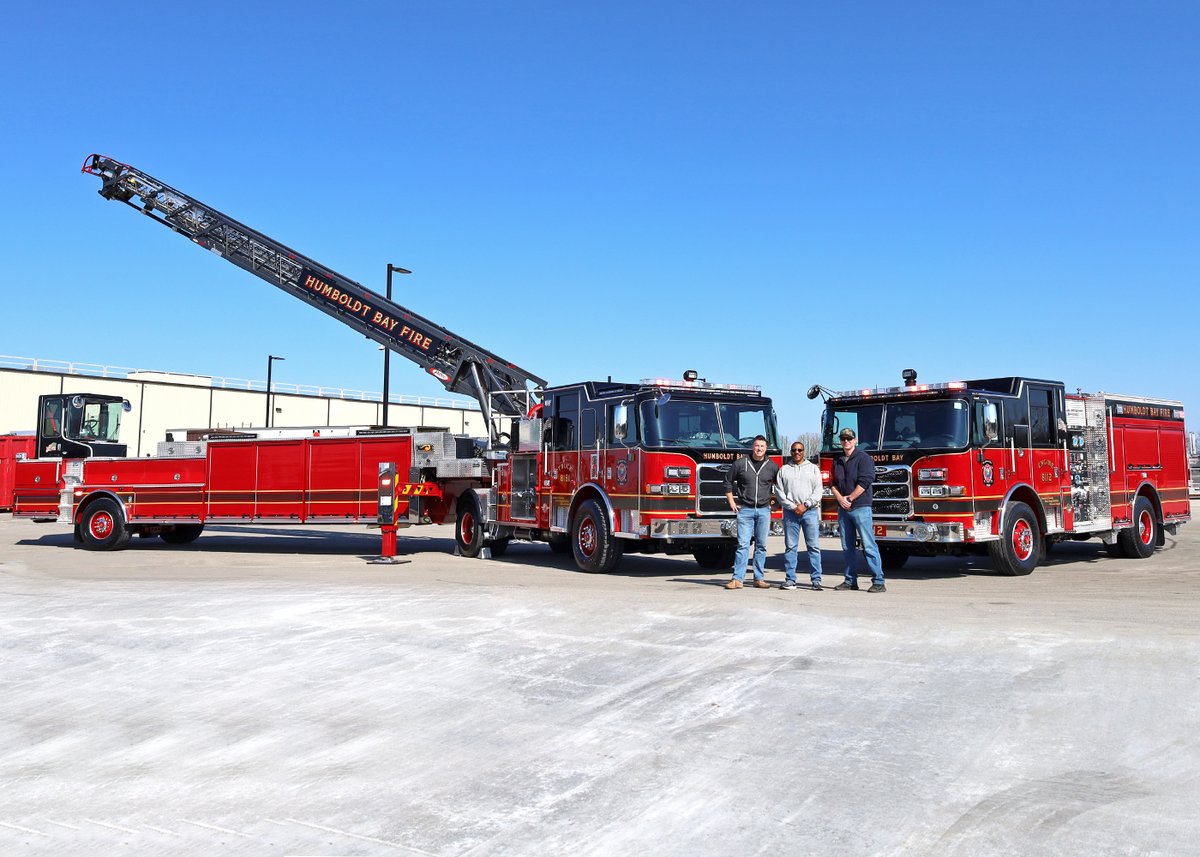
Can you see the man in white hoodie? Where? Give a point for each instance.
(798, 490)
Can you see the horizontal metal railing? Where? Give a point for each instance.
(97, 370)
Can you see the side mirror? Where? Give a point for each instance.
(814, 391)
(621, 422)
(991, 422)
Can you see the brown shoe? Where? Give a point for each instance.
(733, 584)
(761, 583)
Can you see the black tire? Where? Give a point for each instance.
(103, 526)
(592, 540)
(1020, 547)
(182, 534)
(468, 529)
(893, 558)
(718, 556)
(1140, 540)
(559, 542)
(498, 547)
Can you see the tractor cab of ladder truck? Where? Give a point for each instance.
(80, 425)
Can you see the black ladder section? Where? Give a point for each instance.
(459, 364)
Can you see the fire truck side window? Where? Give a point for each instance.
(1041, 417)
(587, 428)
(566, 419)
(52, 418)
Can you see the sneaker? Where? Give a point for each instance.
(877, 587)
(788, 584)
(846, 586)
(817, 587)
(761, 583)
(733, 584)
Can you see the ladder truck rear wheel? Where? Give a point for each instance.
(1139, 541)
(182, 534)
(592, 540)
(1020, 547)
(468, 529)
(103, 526)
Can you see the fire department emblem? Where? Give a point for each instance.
(988, 473)
(622, 472)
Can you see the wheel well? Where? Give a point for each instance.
(1150, 494)
(1148, 491)
(589, 492)
(87, 502)
(1025, 494)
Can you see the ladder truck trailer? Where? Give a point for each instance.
(1009, 466)
(596, 468)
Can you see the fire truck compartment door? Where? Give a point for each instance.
(524, 487)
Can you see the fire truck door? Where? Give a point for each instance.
(1050, 474)
(564, 467)
(590, 445)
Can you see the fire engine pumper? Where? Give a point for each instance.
(1011, 466)
(596, 468)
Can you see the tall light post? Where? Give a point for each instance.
(271, 358)
(387, 352)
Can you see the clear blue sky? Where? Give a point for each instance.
(770, 193)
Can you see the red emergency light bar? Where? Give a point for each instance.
(672, 384)
(908, 389)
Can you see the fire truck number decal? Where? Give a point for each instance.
(880, 530)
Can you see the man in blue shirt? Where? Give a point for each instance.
(853, 476)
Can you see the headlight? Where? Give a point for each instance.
(934, 474)
(940, 491)
(677, 473)
(670, 488)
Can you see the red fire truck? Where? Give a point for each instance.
(597, 468)
(1011, 466)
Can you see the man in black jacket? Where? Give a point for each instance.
(749, 486)
(853, 476)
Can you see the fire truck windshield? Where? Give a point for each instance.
(674, 421)
(94, 421)
(899, 425)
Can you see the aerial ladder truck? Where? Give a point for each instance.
(595, 468)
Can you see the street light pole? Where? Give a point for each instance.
(387, 352)
(271, 358)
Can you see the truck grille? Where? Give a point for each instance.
(891, 495)
(710, 486)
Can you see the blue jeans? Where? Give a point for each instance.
(757, 523)
(857, 522)
(810, 523)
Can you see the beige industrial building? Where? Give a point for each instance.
(166, 401)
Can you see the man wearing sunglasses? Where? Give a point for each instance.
(798, 490)
(853, 476)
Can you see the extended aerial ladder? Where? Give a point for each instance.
(459, 364)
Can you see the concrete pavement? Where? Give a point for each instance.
(266, 692)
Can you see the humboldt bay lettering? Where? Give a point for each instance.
(354, 305)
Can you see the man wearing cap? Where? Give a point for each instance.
(749, 486)
(853, 475)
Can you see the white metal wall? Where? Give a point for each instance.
(161, 405)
